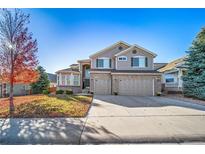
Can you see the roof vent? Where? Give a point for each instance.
(134, 51)
(120, 48)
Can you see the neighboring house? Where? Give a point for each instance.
(121, 69)
(172, 75)
(19, 89)
(69, 79)
(157, 66)
(53, 79)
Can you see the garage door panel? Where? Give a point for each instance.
(102, 86)
(139, 86)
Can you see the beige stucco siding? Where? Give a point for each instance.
(126, 65)
(107, 54)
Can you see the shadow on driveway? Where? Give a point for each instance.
(143, 102)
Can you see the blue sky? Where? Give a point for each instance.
(67, 35)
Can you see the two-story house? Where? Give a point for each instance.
(121, 69)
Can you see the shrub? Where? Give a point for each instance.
(159, 93)
(69, 92)
(46, 92)
(59, 92)
(115, 93)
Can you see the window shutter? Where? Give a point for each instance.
(97, 63)
(132, 61)
(146, 62)
(110, 63)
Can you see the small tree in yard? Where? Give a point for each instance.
(194, 79)
(17, 50)
(42, 83)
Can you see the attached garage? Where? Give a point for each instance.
(101, 84)
(136, 85)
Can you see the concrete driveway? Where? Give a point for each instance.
(114, 119)
(130, 119)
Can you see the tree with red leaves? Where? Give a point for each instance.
(18, 50)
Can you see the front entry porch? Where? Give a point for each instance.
(85, 75)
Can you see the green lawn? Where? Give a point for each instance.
(42, 106)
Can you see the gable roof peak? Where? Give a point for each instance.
(136, 46)
(111, 46)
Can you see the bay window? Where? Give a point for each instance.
(69, 80)
(76, 80)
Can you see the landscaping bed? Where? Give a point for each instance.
(188, 99)
(43, 106)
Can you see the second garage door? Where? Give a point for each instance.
(136, 85)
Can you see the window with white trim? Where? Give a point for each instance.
(68, 79)
(103, 63)
(58, 80)
(170, 78)
(63, 79)
(139, 61)
(122, 58)
(76, 80)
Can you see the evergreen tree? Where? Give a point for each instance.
(43, 82)
(194, 79)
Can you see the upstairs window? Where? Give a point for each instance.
(122, 58)
(139, 61)
(103, 63)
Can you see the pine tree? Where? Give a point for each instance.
(43, 82)
(194, 79)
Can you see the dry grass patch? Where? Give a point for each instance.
(41, 106)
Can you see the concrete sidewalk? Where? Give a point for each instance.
(41, 131)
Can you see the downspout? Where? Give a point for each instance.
(111, 84)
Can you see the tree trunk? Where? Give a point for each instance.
(11, 105)
(11, 98)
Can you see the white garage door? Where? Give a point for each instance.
(102, 86)
(139, 86)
